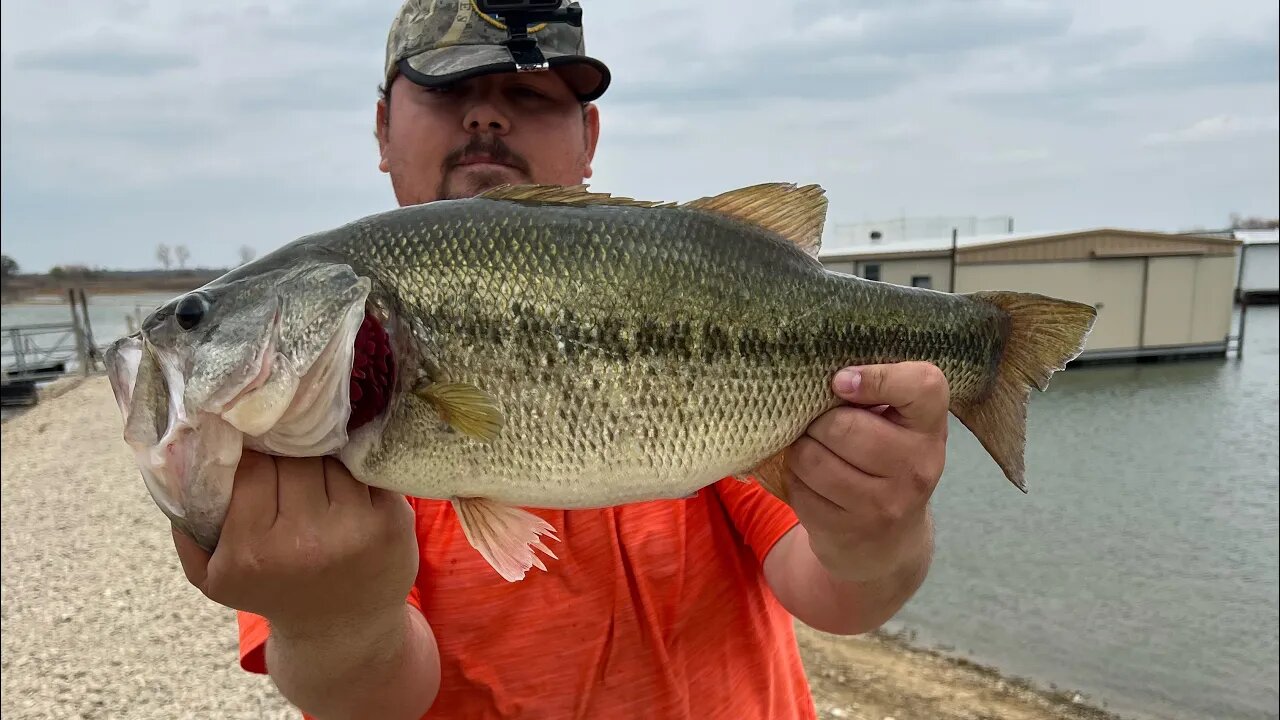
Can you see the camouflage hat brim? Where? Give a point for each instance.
(586, 76)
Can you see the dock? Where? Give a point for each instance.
(42, 352)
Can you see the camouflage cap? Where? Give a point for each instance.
(437, 42)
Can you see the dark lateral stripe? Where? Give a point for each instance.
(711, 343)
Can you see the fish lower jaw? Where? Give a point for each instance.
(162, 482)
(189, 474)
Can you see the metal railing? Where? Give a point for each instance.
(40, 351)
(46, 349)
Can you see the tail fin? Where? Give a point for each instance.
(1044, 335)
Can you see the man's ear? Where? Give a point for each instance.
(591, 136)
(381, 118)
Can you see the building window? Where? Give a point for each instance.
(921, 281)
(871, 271)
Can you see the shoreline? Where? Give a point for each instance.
(24, 290)
(95, 599)
(887, 674)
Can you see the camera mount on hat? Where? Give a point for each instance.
(518, 15)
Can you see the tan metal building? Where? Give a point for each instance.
(1157, 294)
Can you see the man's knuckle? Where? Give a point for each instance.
(876, 380)
(310, 547)
(252, 560)
(920, 479)
(931, 379)
(213, 587)
(888, 511)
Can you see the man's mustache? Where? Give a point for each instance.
(490, 146)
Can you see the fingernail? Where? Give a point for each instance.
(847, 380)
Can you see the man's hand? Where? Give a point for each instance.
(859, 482)
(329, 562)
(307, 546)
(863, 474)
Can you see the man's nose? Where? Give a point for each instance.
(486, 117)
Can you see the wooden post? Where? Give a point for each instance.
(82, 354)
(952, 283)
(20, 358)
(1244, 309)
(1243, 299)
(90, 343)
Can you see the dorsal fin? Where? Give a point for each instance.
(563, 195)
(796, 213)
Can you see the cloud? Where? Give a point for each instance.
(126, 123)
(1018, 156)
(104, 61)
(831, 51)
(1081, 84)
(1216, 128)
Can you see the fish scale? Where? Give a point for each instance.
(560, 348)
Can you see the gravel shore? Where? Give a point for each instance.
(99, 622)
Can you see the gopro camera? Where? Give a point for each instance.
(518, 15)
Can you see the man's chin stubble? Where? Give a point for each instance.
(460, 186)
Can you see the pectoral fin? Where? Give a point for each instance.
(466, 408)
(506, 536)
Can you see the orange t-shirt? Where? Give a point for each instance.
(653, 610)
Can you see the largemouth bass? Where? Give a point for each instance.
(553, 347)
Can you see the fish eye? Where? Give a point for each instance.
(191, 310)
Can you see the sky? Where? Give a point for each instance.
(127, 123)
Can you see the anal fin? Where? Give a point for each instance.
(505, 536)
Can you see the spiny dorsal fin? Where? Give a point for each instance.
(563, 195)
(796, 213)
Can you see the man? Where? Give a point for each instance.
(360, 604)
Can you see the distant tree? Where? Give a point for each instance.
(57, 273)
(164, 256)
(8, 266)
(182, 253)
(1240, 222)
(246, 254)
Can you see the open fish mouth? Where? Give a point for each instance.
(187, 462)
(187, 428)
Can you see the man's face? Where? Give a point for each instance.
(503, 128)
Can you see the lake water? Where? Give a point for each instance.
(1141, 568)
(107, 313)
